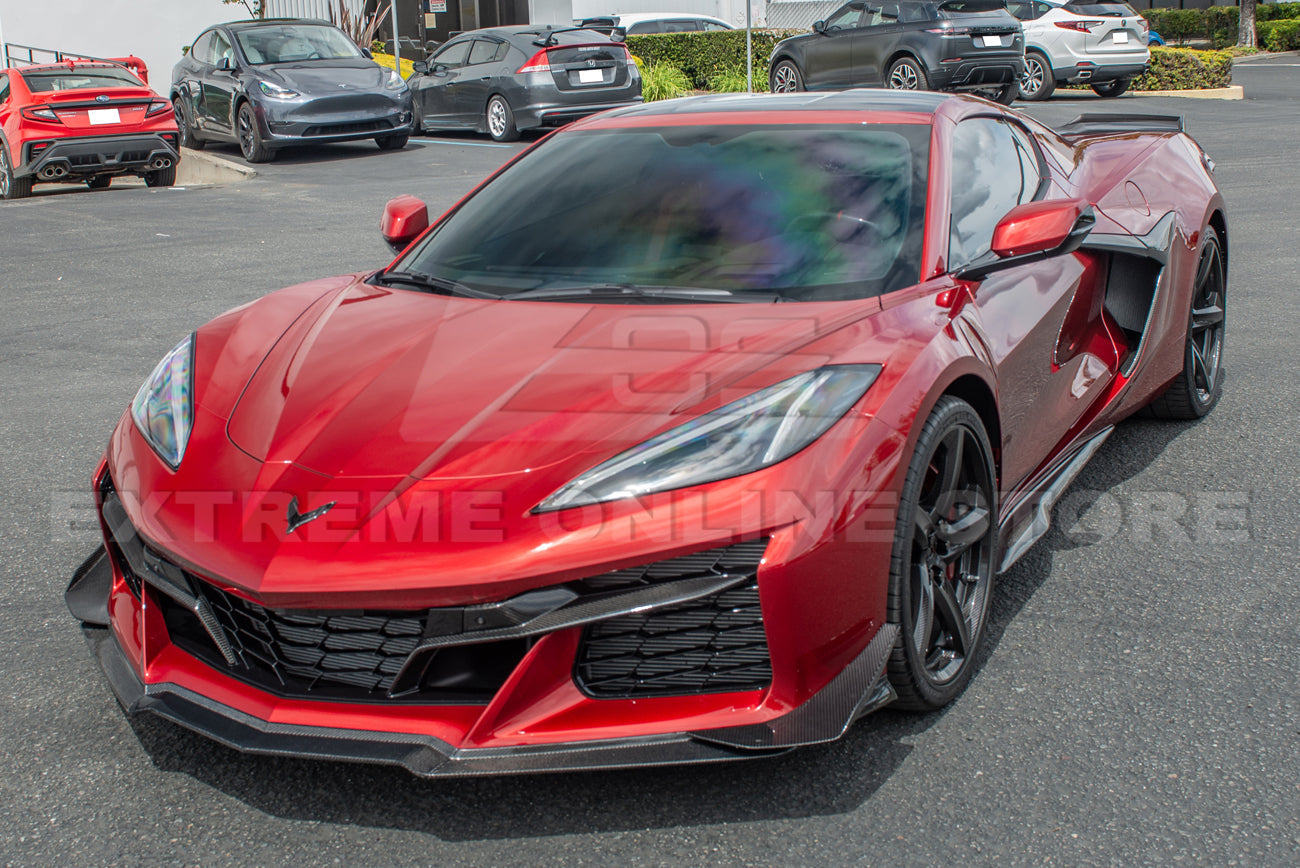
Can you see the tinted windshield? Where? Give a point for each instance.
(290, 43)
(79, 78)
(807, 212)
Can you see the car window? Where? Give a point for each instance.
(809, 213)
(645, 27)
(712, 25)
(221, 49)
(485, 51)
(846, 17)
(202, 48)
(1106, 10)
(4, 87)
(912, 12)
(880, 15)
(78, 78)
(294, 42)
(994, 169)
(681, 25)
(453, 55)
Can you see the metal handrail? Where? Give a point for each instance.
(133, 65)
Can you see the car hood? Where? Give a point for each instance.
(321, 77)
(376, 382)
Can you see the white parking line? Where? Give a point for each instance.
(465, 144)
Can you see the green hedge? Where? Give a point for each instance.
(1218, 24)
(705, 55)
(1185, 69)
(1281, 35)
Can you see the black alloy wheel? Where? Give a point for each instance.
(183, 125)
(786, 78)
(907, 74)
(1200, 384)
(941, 572)
(250, 136)
(1037, 82)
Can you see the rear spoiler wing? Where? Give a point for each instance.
(1112, 124)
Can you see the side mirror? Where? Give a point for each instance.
(404, 219)
(1034, 231)
(819, 27)
(225, 64)
(367, 53)
(420, 67)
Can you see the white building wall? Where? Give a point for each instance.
(731, 11)
(153, 30)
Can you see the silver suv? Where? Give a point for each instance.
(1102, 43)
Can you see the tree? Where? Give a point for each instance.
(256, 8)
(1246, 24)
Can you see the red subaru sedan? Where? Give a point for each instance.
(82, 121)
(699, 431)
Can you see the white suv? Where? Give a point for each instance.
(1102, 43)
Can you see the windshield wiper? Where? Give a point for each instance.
(629, 290)
(430, 283)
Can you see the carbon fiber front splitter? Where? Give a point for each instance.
(861, 687)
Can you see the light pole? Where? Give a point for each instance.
(749, 45)
(397, 45)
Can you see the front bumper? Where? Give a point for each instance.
(331, 121)
(96, 155)
(858, 690)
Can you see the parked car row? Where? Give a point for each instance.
(269, 84)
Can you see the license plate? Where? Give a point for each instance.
(1120, 37)
(104, 116)
(992, 41)
(590, 76)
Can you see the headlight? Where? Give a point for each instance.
(746, 435)
(274, 90)
(395, 80)
(163, 409)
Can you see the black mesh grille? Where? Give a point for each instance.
(347, 129)
(714, 644)
(304, 652)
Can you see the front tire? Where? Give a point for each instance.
(941, 571)
(785, 78)
(1037, 82)
(501, 120)
(1199, 385)
(251, 144)
(1111, 88)
(907, 74)
(12, 187)
(184, 127)
(393, 142)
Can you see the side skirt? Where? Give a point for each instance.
(1031, 516)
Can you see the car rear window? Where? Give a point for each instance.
(78, 78)
(1104, 10)
(971, 7)
(808, 213)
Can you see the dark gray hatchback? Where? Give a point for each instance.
(974, 45)
(501, 80)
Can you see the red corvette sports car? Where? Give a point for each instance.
(82, 120)
(698, 431)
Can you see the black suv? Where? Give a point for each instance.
(974, 45)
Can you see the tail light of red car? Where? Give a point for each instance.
(41, 113)
(157, 107)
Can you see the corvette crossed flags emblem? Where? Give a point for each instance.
(298, 519)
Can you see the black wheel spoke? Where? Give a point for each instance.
(1208, 261)
(1200, 370)
(1206, 317)
(924, 523)
(948, 612)
(924, 626)
(953, 446)
(964, 532)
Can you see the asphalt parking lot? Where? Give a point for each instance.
(1138, 703)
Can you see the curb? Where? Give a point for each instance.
(1235, 91)
(197, 169)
